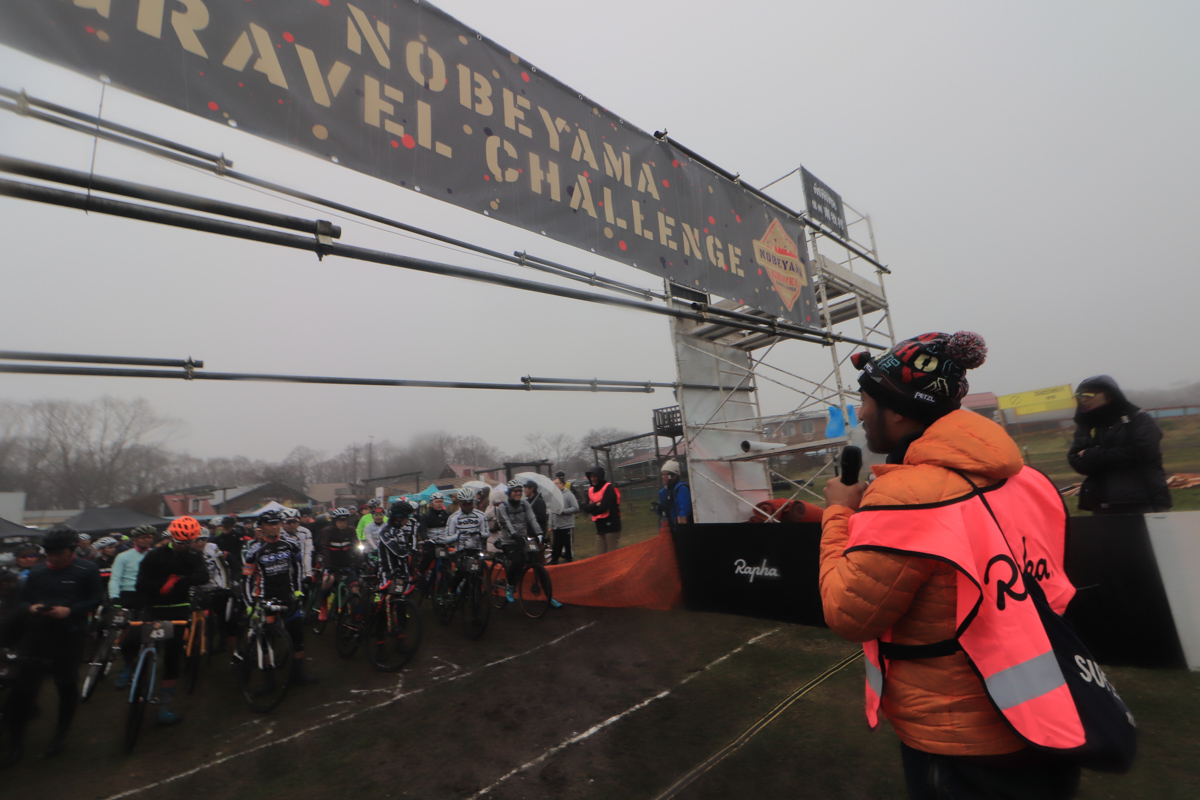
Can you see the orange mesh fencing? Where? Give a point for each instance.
(642, 575)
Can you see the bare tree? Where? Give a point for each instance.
(80, 454)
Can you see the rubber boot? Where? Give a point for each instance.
(508, 594)
(555, 604)
(299, 677)
(166, 698)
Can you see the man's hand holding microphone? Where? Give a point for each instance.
(847, 490)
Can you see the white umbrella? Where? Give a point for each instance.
(547, 488)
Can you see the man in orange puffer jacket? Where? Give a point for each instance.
(912, 573)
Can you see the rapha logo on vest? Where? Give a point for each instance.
(763, 570)
(1039, 571)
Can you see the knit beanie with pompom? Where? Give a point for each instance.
(923, 378)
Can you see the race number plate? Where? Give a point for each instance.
(161, 631)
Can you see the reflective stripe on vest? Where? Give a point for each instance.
(998, 625)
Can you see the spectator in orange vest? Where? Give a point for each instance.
(604, 504)
(892, 577)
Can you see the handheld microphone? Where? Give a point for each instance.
(851, 464)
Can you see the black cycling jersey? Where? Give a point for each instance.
(338, 547)
(395, 547)
(272, 571)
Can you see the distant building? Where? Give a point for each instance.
(248, 498)
(985, 403)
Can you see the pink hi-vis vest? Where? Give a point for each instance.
(998, 627)
(595, 495)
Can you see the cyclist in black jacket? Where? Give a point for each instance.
(339, 551)
(163, 580)
(273, 571)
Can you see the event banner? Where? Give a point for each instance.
(1053, 398)
(824, 204)
(403, 92)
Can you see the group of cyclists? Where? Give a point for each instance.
(288, 559)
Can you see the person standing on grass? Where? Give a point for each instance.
(674, 499)
(538, 504)
(563, 524)
(916, 567)
(604, 504)
(1117, 447)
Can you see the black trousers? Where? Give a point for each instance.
(563, 546)
(1028, 776)
(56, 652)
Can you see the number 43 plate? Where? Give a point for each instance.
(161, 631)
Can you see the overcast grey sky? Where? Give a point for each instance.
(1031, 170)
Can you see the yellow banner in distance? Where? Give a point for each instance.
(1039, 400)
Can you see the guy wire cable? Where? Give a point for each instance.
(731, 748)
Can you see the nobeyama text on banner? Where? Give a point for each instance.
(405, 93)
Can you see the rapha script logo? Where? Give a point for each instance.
(763, 570)
(777, 253)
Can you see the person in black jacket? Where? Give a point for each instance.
(538, 504)
(1117, 448)
(55, 599)
(164, 578)
(604, 504)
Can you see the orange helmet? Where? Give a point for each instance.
(184, 529)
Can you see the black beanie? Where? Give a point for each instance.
(923, 378)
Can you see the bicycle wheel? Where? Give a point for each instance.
(312, 610)
(394, 634)
(477, 607)
(443, 599)
(98, 668)
(533, 590)
(347, 632)
(267, 657)
(139, 698)
(191, 666)
(497, 585)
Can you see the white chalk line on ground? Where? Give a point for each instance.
(601, 726)
(336, 718)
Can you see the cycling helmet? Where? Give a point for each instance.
(60, 539)
(465, 495)
(341, 513)
(401, 509)
(184, 529)
(107, 541)
(229, 521)
(437, 496)
(561, 474)
(269, 517)
(84, 538)
(143, 530)
(516, 484)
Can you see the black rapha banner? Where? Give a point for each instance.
(401, 91)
